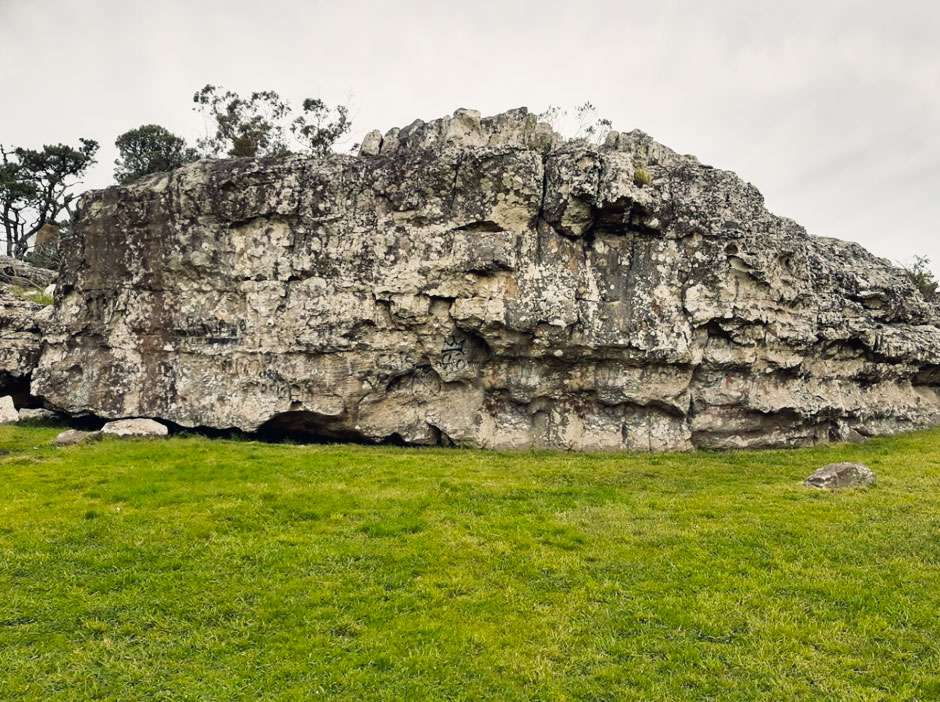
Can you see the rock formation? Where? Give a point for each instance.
(483, 282)
(20, 340)
(20, 334)
(14, 272)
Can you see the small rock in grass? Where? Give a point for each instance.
(841, 475)
(8, 414)
(28, 414)
(67, 438)
(133, 428)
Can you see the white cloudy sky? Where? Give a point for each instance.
(831, 108)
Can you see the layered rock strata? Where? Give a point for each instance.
(483, 282)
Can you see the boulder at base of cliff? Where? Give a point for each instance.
(8, 413)
(73, 436)
(28, 415)
(134, 428)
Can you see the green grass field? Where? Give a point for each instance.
(197, 569)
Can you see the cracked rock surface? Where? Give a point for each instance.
(20, 340)
(482, 281)
(20, 326)
(836, 476)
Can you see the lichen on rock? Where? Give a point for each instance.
(21, 322)
(481, 281)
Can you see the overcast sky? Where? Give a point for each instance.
(831, 108)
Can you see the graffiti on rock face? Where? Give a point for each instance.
(212, 330)
(454, 353)
(425, 381)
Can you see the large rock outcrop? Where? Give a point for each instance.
(484, 282)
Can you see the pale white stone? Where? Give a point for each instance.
(133, 428)
(371, 143)
(8, 414)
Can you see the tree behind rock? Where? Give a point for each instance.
(262, 124)
(36, 190)
(922, 277)
(148, 149)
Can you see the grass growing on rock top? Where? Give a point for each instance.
(37, 295)
(196, 569)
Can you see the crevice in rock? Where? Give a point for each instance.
(482, 227)
(308, 426)
(17, 387)
(444, 439)
(927, 375)
(453, 187)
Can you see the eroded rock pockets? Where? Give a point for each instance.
(481, 281)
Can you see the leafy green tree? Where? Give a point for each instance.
(262, 124)
(317, 130)
(922, 277)
(150, 149)
(35, 190)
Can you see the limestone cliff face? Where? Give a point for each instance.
(484, 282)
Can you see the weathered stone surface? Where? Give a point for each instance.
(134, 428)
(27, 414)
(16, 272)
(8, 413)
(20, 342)
(841, 475)
(480, 281)
(847, 434)
(73, 436)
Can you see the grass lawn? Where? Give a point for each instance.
(197, 569)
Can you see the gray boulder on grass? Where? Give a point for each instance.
(72, 436)
(841, 475)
